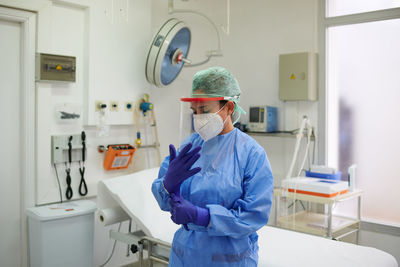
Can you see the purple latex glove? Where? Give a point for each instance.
(184, 212)
(179, 167)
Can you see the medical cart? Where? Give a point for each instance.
(321, 224)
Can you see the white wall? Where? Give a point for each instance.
(260, 31)
(110, 47)
(110, 41)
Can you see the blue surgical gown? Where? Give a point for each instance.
(236, 184)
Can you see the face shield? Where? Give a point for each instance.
(201, 115)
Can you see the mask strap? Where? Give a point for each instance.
(226, 119)
(221, 108)
(226, 116)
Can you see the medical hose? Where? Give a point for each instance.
(113, 249)
(83, 190)
(314, 148)
(58, 181)
(296, 150)
(309, 133)
(68, 193)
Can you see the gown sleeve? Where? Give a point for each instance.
(159, 192)
(250, 212)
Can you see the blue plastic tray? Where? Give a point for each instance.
(335, 176)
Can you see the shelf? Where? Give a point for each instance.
(284, 135)
(321, 200)
(315, 223)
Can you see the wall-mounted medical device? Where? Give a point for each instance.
(263, 119)
(118, 156)
(55, 68)
(67, 149)
(61, 146)
(298, 76)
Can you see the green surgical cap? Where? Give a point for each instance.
(215, 81)
(218, 82)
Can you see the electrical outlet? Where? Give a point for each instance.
(129, 106)
(99, 105)
(114, 106)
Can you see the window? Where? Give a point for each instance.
(363, 107)
(346, 7)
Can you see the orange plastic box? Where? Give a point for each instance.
(118, 156)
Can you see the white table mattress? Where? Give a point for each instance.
(278, 247)
(133, 193)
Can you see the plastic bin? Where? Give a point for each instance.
(61, 234)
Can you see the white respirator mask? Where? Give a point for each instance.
(208, 125)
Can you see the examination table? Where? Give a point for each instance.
(277, 247)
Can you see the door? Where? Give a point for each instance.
(17, 124)
(10, 94)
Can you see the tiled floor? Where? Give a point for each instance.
(146, 264)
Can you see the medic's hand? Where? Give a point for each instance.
(179, 167)
(184, 212)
